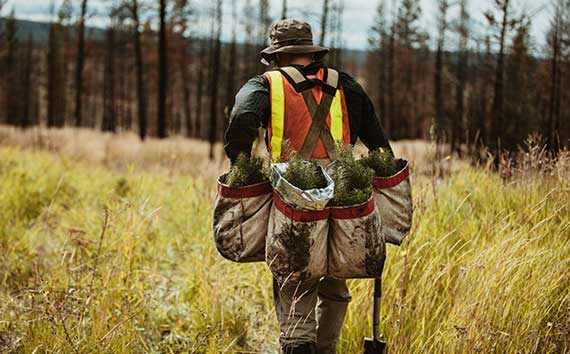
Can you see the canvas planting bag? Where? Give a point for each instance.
(296, 247)
(393, 196)
(241, 218)
(357, 247)
(296, 243)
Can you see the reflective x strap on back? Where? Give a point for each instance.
(319, 127)
(330, 101)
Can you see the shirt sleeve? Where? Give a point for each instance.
(250, 112)
(364, 122)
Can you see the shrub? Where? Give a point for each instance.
(383, 162)
(246, 171)
(353, 180)
(304, 174)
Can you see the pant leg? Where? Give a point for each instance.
(333, 299)
(295, 308)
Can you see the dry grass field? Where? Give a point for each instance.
(106, 247)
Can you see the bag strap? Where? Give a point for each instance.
(301, 83)
(332, 78)
(294, 76)
(318, 112)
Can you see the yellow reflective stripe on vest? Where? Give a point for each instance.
(336, 117)
(277, 113)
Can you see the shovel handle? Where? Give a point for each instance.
(376, 311)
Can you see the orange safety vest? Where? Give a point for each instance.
(291, 119)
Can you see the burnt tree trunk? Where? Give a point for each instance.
(27, 86)
(214, 80)
(324, 20)
(498, 110)
(391, 109)
(438, 97)
(382, 87)
(200, 89)
(462, 63)
(232, 68)
(109, 121)
(139, 63)
(554, 106)
(283, 10)
(56, 77)
(11, 96)
(187, 94)
(79, 64)
(162, 73)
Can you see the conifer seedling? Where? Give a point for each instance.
(246, 171)
(353, 180)
(383, 162)
(304, 174)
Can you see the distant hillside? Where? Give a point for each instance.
(40, 34)
(40, 31)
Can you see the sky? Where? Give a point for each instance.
(358, 16)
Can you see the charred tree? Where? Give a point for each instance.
(391, 97)
(485, 87)
(335, 55)
(109, 121)
(200, 89)
(80, 64)
(180, 14)
(186, 86)
(214, 79)
(555, 44)
(379, 43)
(457, 126)
(439, 117)
(408, 35)
(232, 71)
(139, 63)
(250, 45)
(498, 110)
(284, 10)
(162, 72)
(324, 20)
(11, 95)
(27, 95)
(264, 24)
(56, 76)
(518, 108)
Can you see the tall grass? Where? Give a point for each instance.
(100, 260)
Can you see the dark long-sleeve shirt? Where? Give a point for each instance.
(252, 110)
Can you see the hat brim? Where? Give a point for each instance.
(268, 54)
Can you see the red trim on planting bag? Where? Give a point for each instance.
(255, 190)
(299, 215)
(353, 212)
(388, 182)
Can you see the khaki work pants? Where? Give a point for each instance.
(311, 312)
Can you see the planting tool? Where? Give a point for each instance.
(374, 345)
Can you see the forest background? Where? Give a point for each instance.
(172, 67)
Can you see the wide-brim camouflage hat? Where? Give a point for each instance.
(291, 36)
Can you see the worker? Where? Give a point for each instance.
(285, 101)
